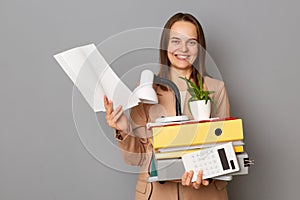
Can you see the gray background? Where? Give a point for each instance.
(254, 43)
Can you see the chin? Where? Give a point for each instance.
(181, 66)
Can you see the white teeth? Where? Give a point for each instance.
(182, 56)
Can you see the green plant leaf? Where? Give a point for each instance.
(191, 91)
(192, 87)
(200, 82)
(197, 93)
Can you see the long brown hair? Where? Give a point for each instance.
(199, 63)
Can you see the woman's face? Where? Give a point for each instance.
(183, 45)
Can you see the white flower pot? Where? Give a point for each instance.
(200, 110)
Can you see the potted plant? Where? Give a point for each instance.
(200, 102)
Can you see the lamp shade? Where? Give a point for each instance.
(145, 91)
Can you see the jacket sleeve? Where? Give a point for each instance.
(221, 102)
(135, 146)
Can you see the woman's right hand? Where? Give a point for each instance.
(186, 179)
(115, 118)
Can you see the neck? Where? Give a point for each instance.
(176, 73)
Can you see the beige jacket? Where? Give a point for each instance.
(137, 149)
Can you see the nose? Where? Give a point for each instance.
(184, 47)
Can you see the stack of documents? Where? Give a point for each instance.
(172, 140)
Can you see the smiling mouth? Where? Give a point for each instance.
(181, 56)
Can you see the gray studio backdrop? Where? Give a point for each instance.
(255, 45)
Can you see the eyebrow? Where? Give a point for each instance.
(177, 38)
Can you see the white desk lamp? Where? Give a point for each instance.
(146, 94)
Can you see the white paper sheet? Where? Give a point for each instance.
(94, 78)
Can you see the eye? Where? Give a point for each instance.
(175, 41)
(192, 42)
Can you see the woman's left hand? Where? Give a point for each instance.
(186, 179)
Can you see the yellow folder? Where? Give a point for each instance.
(196, 133)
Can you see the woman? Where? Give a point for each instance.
(180, 55)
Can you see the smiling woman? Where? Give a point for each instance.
(185, 28)
(182, 54)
